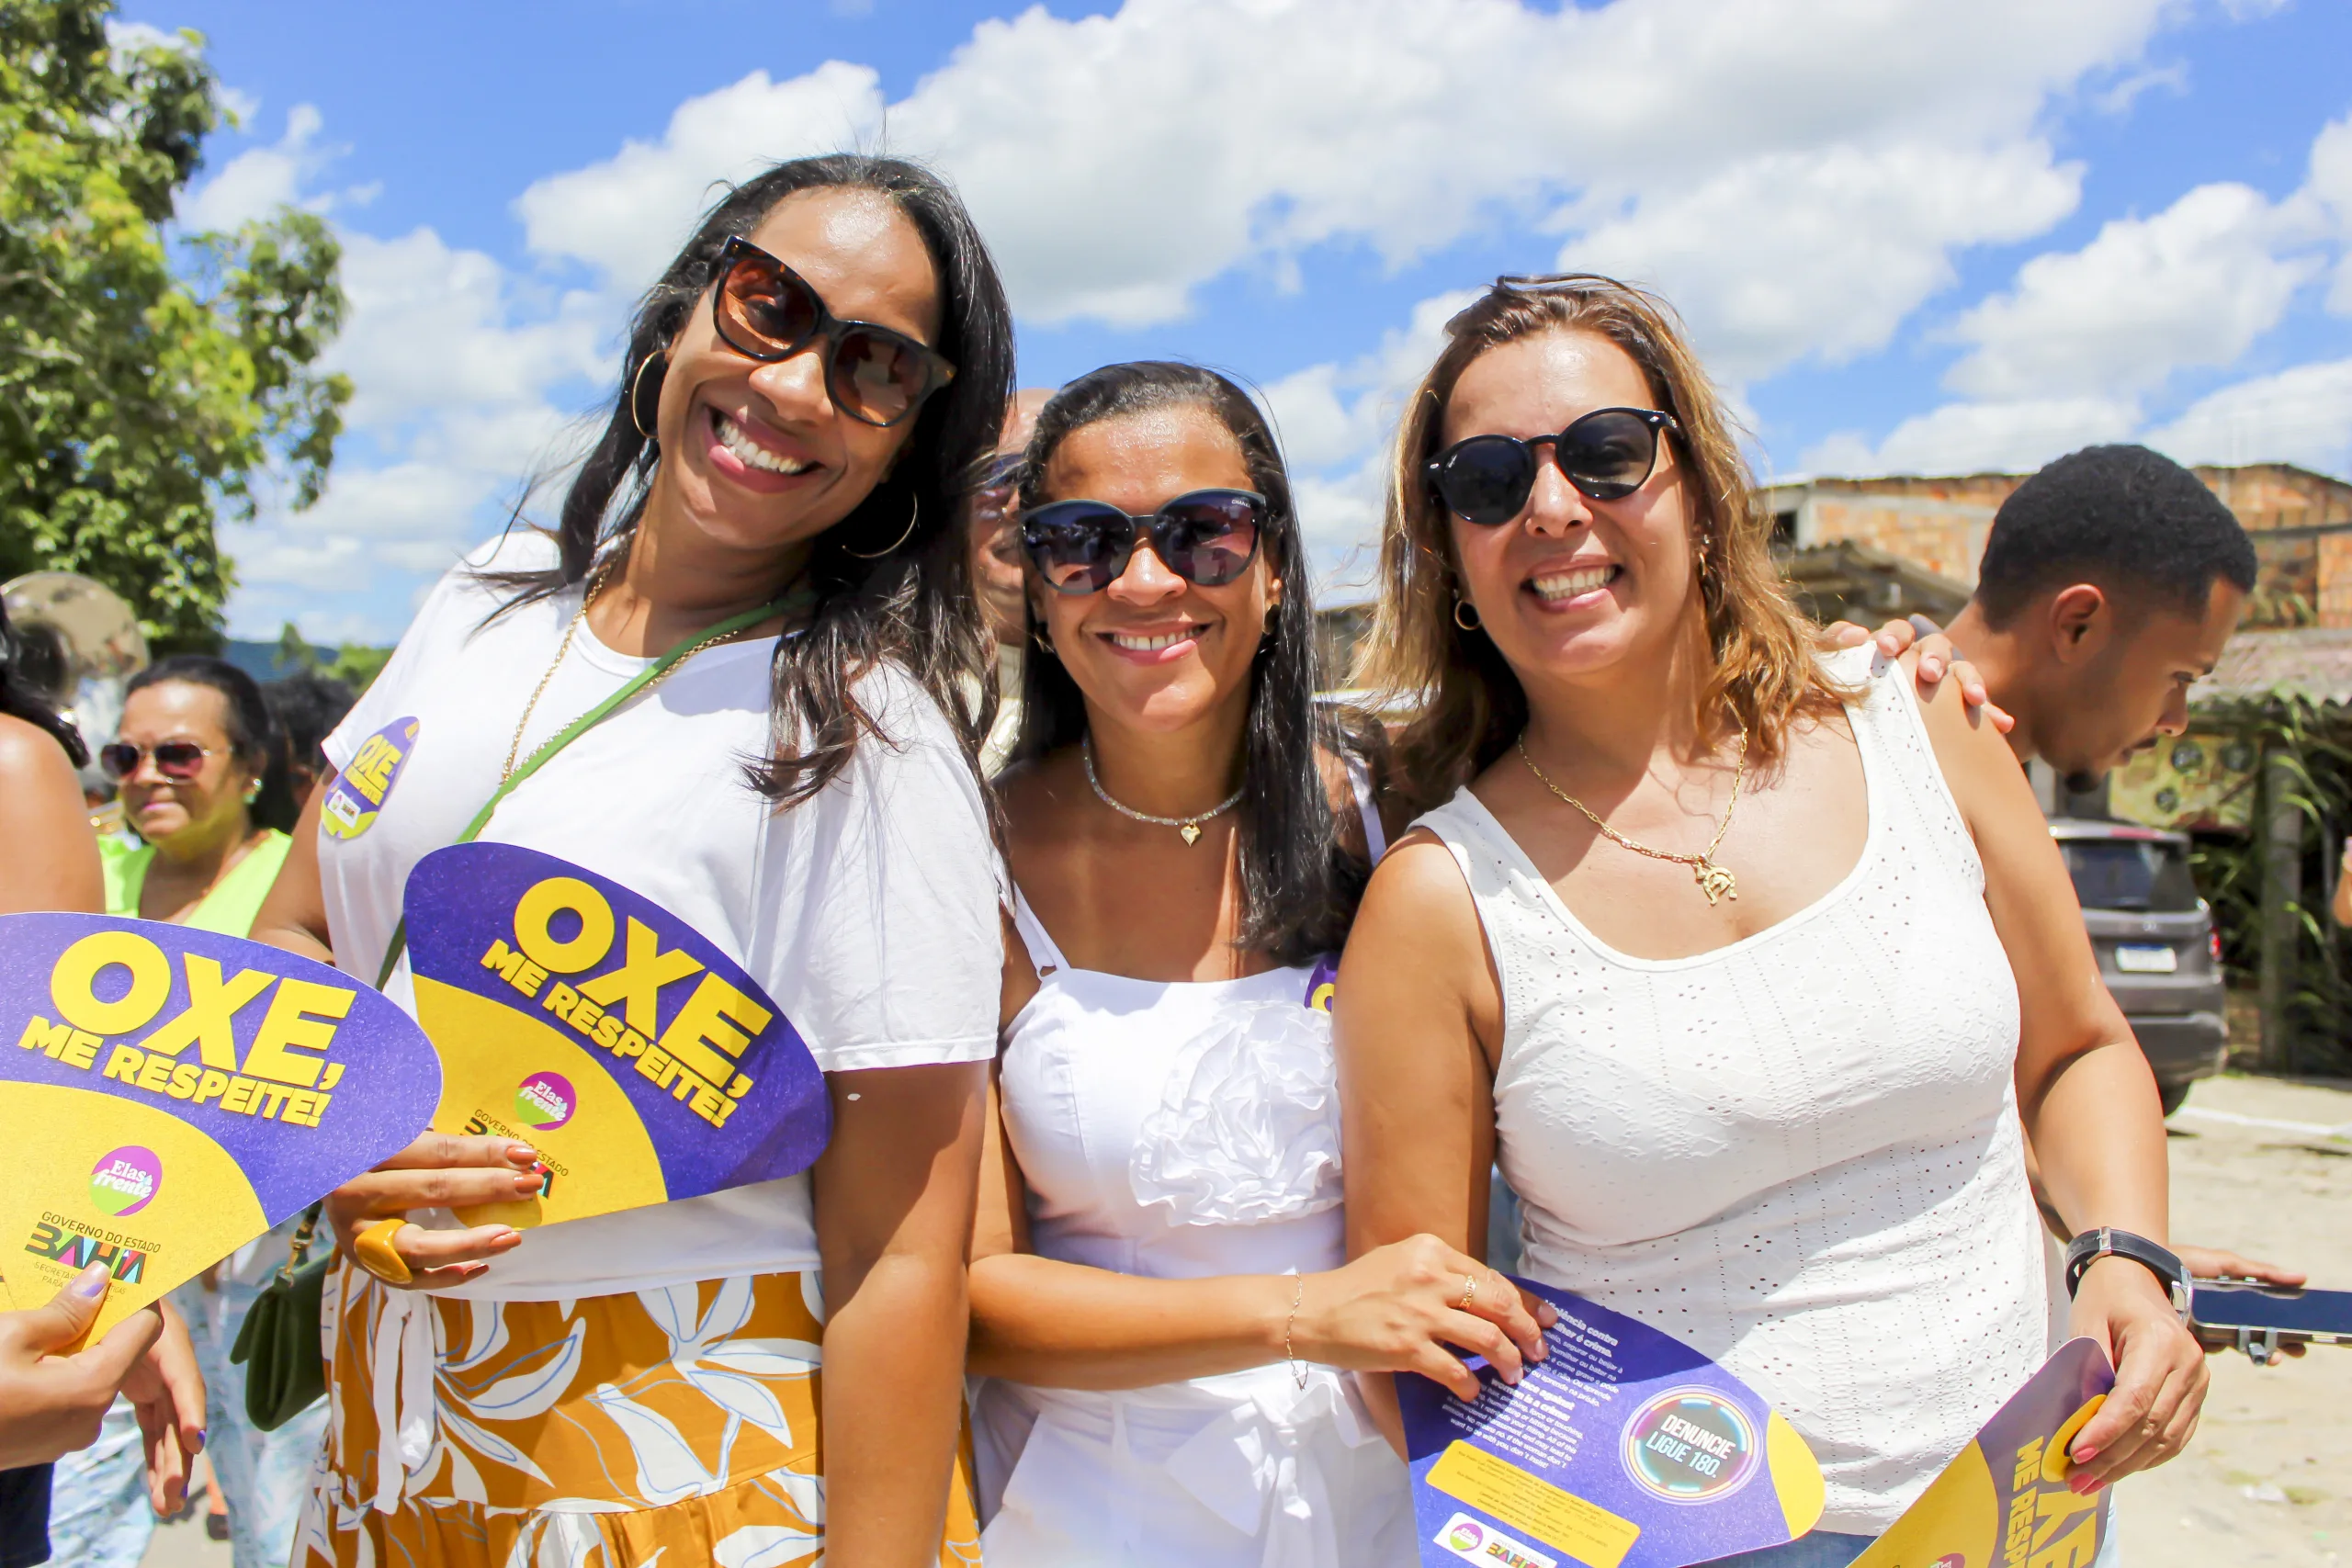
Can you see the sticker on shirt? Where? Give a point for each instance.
(2005, 1499)
(1323, 983)
(1624, 1449)
(359, 791)
(173, 1093)
(582, 1018)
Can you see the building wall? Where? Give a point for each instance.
(2302, 523)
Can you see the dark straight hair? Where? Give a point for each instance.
(1299, 883)
(254, 738)
(21, 697)
(913, 606)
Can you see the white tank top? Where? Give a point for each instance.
(1800, 1153)
(1179, 1129)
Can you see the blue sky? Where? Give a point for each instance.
(1910, 236)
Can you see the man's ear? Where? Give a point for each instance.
(2081, 618)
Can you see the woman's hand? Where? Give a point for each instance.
(2218, 1263)
(1398, 1307)
(167, 1392)
(52, 1404)
(440, 1170)
(2159, 1374)
(1936, 659)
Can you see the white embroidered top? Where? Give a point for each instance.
(1799, 1153)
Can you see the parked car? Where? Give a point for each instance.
(2157, 947)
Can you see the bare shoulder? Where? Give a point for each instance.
(30, 755)
(1419, 904)
(1975, 758)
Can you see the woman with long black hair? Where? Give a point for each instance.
(1159, 1286)
(807, 392)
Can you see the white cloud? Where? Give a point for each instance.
(2330, 188)
(626, 216)
(1974, 438)
(1823, 252)
(2193, 286)
(2303, 416)
(260, 180)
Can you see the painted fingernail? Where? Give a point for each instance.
(91, 1283)
(2084, 1485)
(522, 1154)
(2083, 1456)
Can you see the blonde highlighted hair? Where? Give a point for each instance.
(1470, 704)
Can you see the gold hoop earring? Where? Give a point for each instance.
(914, 512)
(637, 396)
(1474, 622)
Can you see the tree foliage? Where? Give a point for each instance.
(150, 381)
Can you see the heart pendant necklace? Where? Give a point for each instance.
(1187, 827)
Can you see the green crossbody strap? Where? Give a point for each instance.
(580, 727)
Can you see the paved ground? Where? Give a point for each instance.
(2268, 1479)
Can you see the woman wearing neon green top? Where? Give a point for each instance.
(203, 781)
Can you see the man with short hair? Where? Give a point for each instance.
(2108, 585)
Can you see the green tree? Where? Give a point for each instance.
(150, 381)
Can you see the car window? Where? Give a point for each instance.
(2130, 874)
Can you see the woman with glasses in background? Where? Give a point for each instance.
(1744, 964)
(201, 774)
(1160, 1296)
(773, 508)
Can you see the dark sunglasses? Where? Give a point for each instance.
(766, 311)
(174, 758)
(1607, 454)
(1208, 538)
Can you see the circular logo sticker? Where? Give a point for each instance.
(544, 1100)
(1465, 1536)
(1689, 1445)
(125, 1181)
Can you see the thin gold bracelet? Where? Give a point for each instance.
(1298, 1295)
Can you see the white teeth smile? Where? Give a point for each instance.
(1152, 643)
(751, 454)
(1568, 584)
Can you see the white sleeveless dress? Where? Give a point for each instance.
(1181, 1131)
(1800, 1153)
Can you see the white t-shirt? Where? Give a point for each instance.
(869, 912)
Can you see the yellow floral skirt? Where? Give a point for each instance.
(665, 1427)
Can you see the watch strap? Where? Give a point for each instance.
(2107, 1242)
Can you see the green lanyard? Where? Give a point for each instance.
(580, 727)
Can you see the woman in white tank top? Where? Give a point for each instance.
(1162, 1309)
(1741, 961)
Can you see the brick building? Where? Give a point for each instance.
(1888, 546)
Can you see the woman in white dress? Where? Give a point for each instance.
(1744, 964)
(1160, 1293)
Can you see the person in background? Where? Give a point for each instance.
(992, 544)
(258, 1477)
(51, 1404)
(2109, 583)
(200, 767)
(1746, 965)
(307, 706)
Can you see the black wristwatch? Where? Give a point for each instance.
(2161, 1261)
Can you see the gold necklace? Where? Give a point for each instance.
(1713, 880)
(588, 597)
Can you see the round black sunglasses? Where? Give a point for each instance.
(1608, 454)
(1208, 538)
